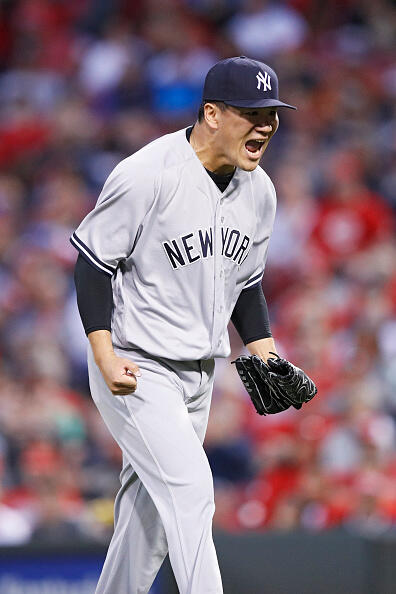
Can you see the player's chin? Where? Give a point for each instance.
(249, 161)
(248, 164)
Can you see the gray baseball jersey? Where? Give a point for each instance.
(178, 249)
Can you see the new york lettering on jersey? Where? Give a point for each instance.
(198, 244)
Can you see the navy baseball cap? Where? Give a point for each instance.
(243, 82)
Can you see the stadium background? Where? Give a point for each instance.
(84, 83)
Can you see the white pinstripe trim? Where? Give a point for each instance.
(77, 244)
(255, 280)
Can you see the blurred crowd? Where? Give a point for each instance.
(84, 83)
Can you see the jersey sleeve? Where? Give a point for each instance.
(110, 231)
(265, 223)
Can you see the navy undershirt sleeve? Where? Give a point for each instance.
(94, 296)
(250, 315)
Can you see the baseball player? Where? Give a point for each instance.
(174, 248)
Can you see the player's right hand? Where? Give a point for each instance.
(120, 374)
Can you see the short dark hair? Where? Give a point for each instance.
(201, 114)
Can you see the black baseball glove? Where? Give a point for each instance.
(276, 385)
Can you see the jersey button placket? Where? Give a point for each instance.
(218, 324)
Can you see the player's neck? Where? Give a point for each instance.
(207, 152)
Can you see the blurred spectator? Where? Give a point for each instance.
(14, 528)
(267, 28)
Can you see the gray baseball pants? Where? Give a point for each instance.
(166, 499)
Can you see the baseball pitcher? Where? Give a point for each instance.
(176, 247)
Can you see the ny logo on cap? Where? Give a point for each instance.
(265, 80)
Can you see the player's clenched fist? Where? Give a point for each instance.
(119, 374)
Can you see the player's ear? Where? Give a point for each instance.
(276, 124)
(211, 115)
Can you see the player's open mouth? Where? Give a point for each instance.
(254, 148)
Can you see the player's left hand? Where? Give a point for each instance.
(276, 385)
